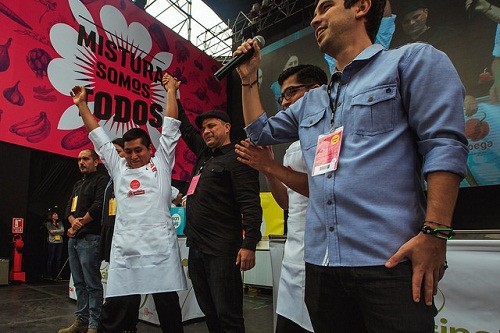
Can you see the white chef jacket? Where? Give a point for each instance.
(290, 303)
(145, 256)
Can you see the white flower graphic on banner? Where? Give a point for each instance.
(85, 64)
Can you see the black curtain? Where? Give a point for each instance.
(51, 180)
(32, 182)
(14, 177)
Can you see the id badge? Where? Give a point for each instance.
(74, 202)
(57, 237)
(112, 207)
(327, 152)
(193, 184)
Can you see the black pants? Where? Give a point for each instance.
(365, 299)
(285, 325)
(122, 313)
(219, 291)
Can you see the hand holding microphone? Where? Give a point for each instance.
(243, 53)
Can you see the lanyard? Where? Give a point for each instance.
(337, 76)
(79, 188)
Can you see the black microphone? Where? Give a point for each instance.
(238, 60)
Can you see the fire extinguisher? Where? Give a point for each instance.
(17, 274)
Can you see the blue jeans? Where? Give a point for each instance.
(54, 255)
(365, 299)
(85, 269)
(219, 291)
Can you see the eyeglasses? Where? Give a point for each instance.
(290, 91)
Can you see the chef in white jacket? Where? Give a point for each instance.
(145, 256)
(289, 186)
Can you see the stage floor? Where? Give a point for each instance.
(45, 307)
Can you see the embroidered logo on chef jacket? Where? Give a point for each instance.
(134, 185)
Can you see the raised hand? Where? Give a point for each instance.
(170, 83)
(79, 95)
(259, 158)
(248, 69)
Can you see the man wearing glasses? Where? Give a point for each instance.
(288, 93)
(288, 184)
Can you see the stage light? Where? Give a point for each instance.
(254, 12)
(264, 8)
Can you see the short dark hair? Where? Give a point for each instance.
(93, 154)
(119, 142)
(137, 133)
(306, 74)
(373, 17)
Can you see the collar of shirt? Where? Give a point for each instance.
(220, 150)
(367, 53)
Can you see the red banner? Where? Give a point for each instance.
(115, 49)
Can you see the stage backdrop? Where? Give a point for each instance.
(115, 49)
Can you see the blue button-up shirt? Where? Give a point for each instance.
(402, 113)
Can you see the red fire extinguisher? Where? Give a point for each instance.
(17, 274)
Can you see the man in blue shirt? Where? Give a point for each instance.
(388, 120)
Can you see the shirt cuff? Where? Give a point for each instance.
(98, 137)
(254, 129)
(170, 125)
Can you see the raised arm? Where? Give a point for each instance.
(79, 95)
(252, 106)
(174, 110)
(171, 85)
(170, 134)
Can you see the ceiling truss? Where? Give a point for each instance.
(220, 40)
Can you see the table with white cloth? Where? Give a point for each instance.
(147, 311)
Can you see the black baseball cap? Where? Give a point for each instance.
(212, 114)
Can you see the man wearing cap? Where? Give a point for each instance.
(223, 217)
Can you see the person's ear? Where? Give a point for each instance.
(363, 8)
